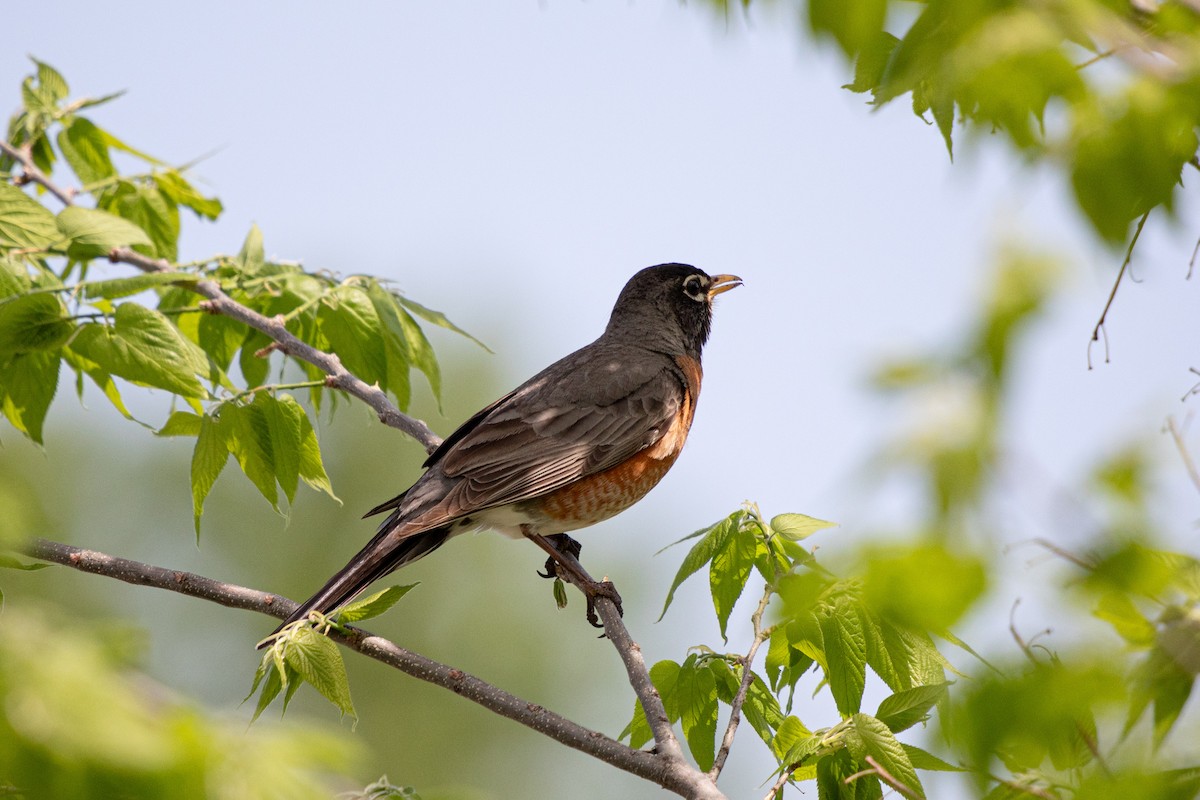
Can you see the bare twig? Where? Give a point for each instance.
(887, 778)
(1113, 294)
(286, 342)
(1183, 452)
(777, 787)
(1195, 251)
(1195, 388)
(735, 708)
(31, 173)
(673, 774)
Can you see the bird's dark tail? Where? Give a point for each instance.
(371, 563)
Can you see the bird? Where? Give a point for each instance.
(574, 445)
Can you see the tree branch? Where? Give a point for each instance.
(672, 774)
(31, 173)
(218, 302)
(735, 708)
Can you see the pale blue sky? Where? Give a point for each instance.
(513, 163)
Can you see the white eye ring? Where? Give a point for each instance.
(693, 287)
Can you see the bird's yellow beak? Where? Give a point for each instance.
(723, 283)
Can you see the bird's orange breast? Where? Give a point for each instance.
(603, 495)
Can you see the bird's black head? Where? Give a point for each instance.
(669, 307)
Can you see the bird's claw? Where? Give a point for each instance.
(606, 590)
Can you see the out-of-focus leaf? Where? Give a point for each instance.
(250, 260)
(181, 191)
(92, 232)
(33, 322)
(904, 709)
(1118, 610)
(898, 585)
(24, 222)
(85, 149)
(152, 211)
(871, 62)
(27, 385)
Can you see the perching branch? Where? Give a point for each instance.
(218, 302)
(672, 773)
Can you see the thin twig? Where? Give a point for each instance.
(777, 787)
(24, 156)
(1183, 452)
(1112, 295)
(287, 342)
(654, 767)
(1094, 59)
(1195, 251)
(735, 707)
(891, 780)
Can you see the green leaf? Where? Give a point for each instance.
(93, 233)
(85, 149)
(396, 352)
(729, 570)
(1118, 610)
(24, 222)
(208, 459)
(284, 432)
(181, 423)
(854, 25)
(881, 744)
(51, 81)
(248, 437)
(153, 212)
(27, 385)
(437, 318)
(117, 288)
(897, 584)
(419, 352)
(220, 337)
(9, 562)
(796, 527)
(374, 605)
(33, 322)
(250, 260)
(144, 347)
(182, 193)
(927, 761)
(312, 471)
(712, 539)
(902, 710)
(347, 320)
(664, 676)
(696, 695)
(790, 735)
(84, 366)
(846, 656)
(871, 62)
(268, 676)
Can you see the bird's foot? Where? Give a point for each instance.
(600, 589)
(563, 544)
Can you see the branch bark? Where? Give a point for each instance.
(31, 173)
(672, 774)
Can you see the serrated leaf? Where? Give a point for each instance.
(395, 346)
(27, 385)
(317, 659)
(24, 222)
(712, 539)
(284, 429)
(728, 572)
(248, 437)
(116, 288)
(92, 233)
(33, 322)
(151, 211)
(845, 656)
(796, 527)
(208, 459)
(871, 62)
(86, 151)
(664, 676)
(347, 320)
(181, 423)
(84, 366)
(791, 733)
(419, 352)
(437, 318)
(374, 605)
(144, 347)
(51, 81)
(881, 744)
(268, 675)
(904, 709)
(696, 695)
(250, 260)
(312, 471)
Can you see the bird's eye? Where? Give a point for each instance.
(693, 285)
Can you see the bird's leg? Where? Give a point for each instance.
(563, 544)
(563, 562)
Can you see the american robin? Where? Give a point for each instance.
(579, 442)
